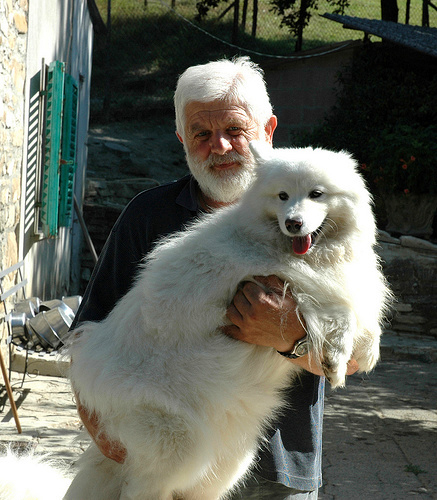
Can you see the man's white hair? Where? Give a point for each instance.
(239, 81)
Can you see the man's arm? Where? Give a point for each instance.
(268, 317)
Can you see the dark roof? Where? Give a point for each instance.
(415, 37)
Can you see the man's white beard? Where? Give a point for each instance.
(225, 186)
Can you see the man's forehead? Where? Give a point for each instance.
(200, 114)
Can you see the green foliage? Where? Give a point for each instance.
(415, 469)
(296, 16)
(386, 112)
(204, 6)
(150, 45)
(403, 159)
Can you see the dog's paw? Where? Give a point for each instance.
(335, 373)
(367, 356)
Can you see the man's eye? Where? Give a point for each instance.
(234, 130)
(283, 196)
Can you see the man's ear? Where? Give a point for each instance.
(270, 128)
(179, 137)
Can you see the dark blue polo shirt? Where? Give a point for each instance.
(293, 453)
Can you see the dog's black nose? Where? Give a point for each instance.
(293, 225)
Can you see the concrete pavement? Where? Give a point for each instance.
(380, 433)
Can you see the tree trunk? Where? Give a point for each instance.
(425, 13)
(254, 17)
(302, 14)
(389, 10)
(244, 15)
(236, 17)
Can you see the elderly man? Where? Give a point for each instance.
(220, 107)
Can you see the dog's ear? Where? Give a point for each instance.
(261, 150)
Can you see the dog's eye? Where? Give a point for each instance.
(283, 196)
(316, 193)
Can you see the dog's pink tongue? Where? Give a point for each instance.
(301, 244)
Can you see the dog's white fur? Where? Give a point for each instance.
(190, 404)
(28, 476)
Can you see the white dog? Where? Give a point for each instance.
(28, 476)
(191, 404)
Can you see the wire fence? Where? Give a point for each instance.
(150, 42)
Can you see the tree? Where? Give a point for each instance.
(203, 7)
(296, 15)
(389, 10)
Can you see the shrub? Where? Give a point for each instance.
(385, 112)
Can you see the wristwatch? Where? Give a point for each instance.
(300, 348)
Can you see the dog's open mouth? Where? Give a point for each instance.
(301, 244)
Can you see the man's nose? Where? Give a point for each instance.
(220, 143)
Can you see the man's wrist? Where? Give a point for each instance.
(301, 348)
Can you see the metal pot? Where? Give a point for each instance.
(18, 325)
(50, 326)
(55, 304)
(73, 302)
(34, 339)
(38, 326)
(29, 307)
(59, 322)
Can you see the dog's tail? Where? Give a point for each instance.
(28, 476)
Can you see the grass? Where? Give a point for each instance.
(415, 469)
(151, 46)
(319, 29)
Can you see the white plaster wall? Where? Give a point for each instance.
(81, 67)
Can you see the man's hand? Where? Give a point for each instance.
(110, 449)
(266, 316)
(269, 318)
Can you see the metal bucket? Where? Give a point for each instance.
(51, 326)
(18, 321)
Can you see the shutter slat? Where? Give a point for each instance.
(68, 155)
(50, 184)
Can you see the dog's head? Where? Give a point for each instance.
(316, 196)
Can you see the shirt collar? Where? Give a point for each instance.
(187, 198)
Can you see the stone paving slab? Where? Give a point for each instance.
(48, 418)
(380, 432)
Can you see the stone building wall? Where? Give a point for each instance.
(13, 40)
(410, 265)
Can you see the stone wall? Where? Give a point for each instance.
(13, 40)
(13, 29)
(410, 265)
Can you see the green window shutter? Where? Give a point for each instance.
(50, 180)
(68, 153)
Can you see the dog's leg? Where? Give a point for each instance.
(98, 478)
(338, 346)
(366, 350)
(132, 491)
(222, 479)
(167, 452)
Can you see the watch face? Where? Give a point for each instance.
(302, 348)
